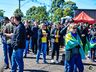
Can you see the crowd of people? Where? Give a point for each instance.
(18, 38)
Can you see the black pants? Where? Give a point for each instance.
(93, 53)
(34, 45)
(84, 42)
(55, 47)
(47, 48)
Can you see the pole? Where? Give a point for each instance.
(19, 4)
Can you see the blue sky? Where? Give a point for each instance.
(10, 5)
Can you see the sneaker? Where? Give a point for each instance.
(6, 67)
(57, 62)
(25, 56)
(94, 60)
(52, 61)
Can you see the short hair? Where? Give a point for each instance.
(17, 17)
(11, 17)
(6, 19)
(42, 24)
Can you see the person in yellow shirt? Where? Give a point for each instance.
(42, 43)
(55, 42)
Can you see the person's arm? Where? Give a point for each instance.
(63, 31)
(8, 35)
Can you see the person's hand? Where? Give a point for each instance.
(57, 36)
(28, 36)
(83, 35)
(8, 35)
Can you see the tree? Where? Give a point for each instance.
(2, 13)
(37, 13)
(57, 3)
(68, 12)
(60, 8)
(70, 4)
(18, 12)
(55, 7)
(69, 8)
(58, 13)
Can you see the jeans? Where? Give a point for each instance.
(30, 43)
(74, 63)
(43, 49)
(27, 47)
(17, 60)
(55, 47)
(10, 50)
(7, 52)
(47, 48)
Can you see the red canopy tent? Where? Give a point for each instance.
(83, 17)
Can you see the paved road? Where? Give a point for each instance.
(1, 57)
(31, 66)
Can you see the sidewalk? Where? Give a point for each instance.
(1, 57)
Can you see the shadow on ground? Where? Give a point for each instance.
(89, 64)
(29, 70)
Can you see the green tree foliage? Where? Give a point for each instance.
(58, 13)
(37, 13)
(57, 4)
(67, 12)
(18, 12)
(2, 13)
(69, 8)
(70, 4)
(60, 8)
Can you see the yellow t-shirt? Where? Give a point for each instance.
(44, 38)
(57, 38)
